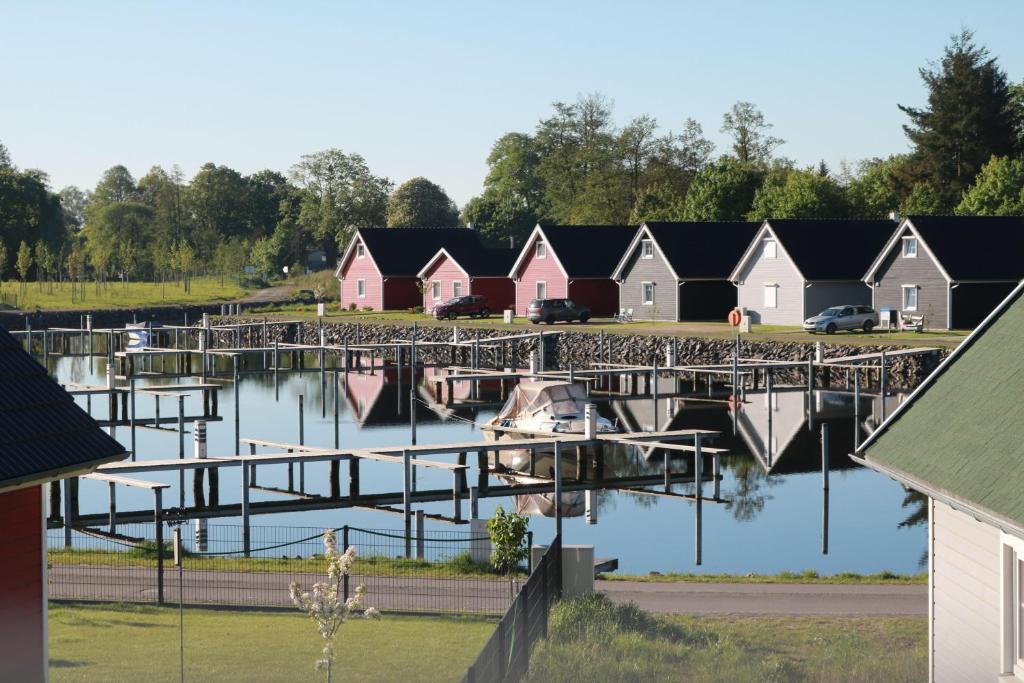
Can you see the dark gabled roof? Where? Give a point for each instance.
(703, 250)
(43, 433)
(832, 249)
(480, 261)
(960, 435)
(403, 251)
(589, 250)
(975, 247)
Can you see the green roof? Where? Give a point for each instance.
(961, 434)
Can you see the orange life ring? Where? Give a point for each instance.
(735, 318)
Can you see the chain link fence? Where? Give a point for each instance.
(438, 571)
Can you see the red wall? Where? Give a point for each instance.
(445, 270)
(401, 293)
(22, 613)
(356, 268)
(499, 291)
(534, 269)
(601, 295)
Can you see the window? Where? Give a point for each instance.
(435, 289)
(909, 297)
(360, 250)
(361, 288)
(771, 296)
(647, 293)
(1012, 607)
(540, 250)
(456, 288)
(909, 247)
(646, 248)
(542, 289)
(771, 248)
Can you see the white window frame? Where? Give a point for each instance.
(435, 289)
(773, 301)
(907, 241)
(1011, 607)
(361, 288)
(647, 248)
(456, 288)
(541, 289)
(540, 250)
(774, 253)
(360, 251)
(917, 294)
(643, 293)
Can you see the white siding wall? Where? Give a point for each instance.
(780, 270)
(965, 585)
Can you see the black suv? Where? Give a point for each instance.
(552, 310)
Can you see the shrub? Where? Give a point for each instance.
(595, 618)
(352, 306)
(416, 309)
(367, 308)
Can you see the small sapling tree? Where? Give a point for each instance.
(325, 602)
(508, 537)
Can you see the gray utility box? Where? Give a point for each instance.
(577, 568)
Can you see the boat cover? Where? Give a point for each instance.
(552, 397)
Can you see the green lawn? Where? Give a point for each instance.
(806, 577)
(115, 295)
(590, 640)
(129, 643)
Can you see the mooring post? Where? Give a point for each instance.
(412, 387)
(474, 502)
(131, 391)
(558, 488)
(238, 424)
(68, 514)
(810, 394)
(112, 515)
(420, 531)
(336, 413)
(277, 356)
(245, 510)
(654, 390)
(323, 373)
(302, 442)
(159, 524)
(407, 500)
(856, 408)
(824, 488)
(541, 360)
(882, 381)
(698, 511)
(768, 397)
(181, 449)
(716, 473)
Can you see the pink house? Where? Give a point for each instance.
(461, 270)
(574, 262)
(379, 269)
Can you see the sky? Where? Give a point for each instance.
(425, 88)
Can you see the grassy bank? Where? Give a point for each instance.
(593, 640)
(368, 565)
(808, 577)
(118, 295)
(103, 643)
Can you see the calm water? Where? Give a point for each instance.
(772, 522)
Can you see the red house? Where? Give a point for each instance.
(464, 269)
(380, 267)
(44, 436)
(574, 262)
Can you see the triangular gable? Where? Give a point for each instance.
(538, 231)
(897, 237)
(643, 232)
(766, 229)
(350, 253)
(441, 253)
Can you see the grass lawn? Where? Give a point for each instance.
(116, 295)
(592, 640)
(135, 643)
(807, 577)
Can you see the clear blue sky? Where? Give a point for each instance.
(424, 88)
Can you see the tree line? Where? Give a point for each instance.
(577, 166)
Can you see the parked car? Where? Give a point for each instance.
(843, 318)
(553, 310)
(473, 306)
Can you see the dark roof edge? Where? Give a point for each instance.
(41, 478)
(951, 358)
(1003, 524)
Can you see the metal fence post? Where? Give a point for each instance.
(344, 547)
(159, 524)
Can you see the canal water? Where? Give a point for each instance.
(771, 521)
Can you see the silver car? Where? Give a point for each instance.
(842, 318)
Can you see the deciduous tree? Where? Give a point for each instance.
(751, 142)
(419, 202)
(997, 191)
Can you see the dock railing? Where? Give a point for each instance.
(505, 658)
(440, 577)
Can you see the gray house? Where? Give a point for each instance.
(959, 440)
(680, 271)
(794, 269)
(952, 270)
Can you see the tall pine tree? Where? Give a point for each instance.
(969, 118)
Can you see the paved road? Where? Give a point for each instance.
(768, 599)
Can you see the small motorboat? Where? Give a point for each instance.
(548, 407)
